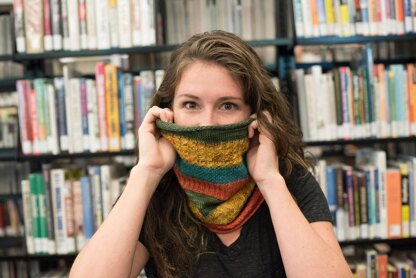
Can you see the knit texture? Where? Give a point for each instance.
(212, 169)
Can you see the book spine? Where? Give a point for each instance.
(129, 111)
(93, 128)
(47, 36)
(57, 186)
(65, 25)
(34, 26)
(91, 25)
(87, 208)
(61, 115)
(103, 27)
(27, 215)
(83, 32)
(100, 80)
(124, 23)
(84, 115)
(51, 244)
(56, 24)
(121, 109)
(113, 118)
(35, 213)
(25, 140)
(73, 25)
(19, 25)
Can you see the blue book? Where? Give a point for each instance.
(87, 209)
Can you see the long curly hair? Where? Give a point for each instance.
(173, 237)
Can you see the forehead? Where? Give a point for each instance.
(202, 77)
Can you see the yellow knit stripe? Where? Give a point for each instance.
(228, 210)
(227, 154)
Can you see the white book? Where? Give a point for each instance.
(73, 25)
(307, 18)
(94, 135)
(148, 22)
(91, 25)
(76, 115)
(124, 23)
(102, 23)
(413, 6)
(312, 121)
(53, 136)
(105, 182)
(113, 23)
(137, 22)
(83, 29)
(27, 214)
(78, 215)
(68, 107)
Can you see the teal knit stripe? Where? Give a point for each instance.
(204, 203)
(208, 134)
(218, 175)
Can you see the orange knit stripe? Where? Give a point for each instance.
(250, 208)
(221, 192)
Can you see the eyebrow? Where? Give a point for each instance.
(221, 98)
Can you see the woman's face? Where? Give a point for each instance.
(208, 95)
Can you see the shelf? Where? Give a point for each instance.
(355, 39)
(364, 141)
(131, 50)
(8, 154)
(14, 196)
(333, 64)
(19, 254)
(395, 242)
(6, 57)
(76, 155)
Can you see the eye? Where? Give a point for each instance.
(229, 106)
(189, 105)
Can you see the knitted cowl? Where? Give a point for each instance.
(211, 167)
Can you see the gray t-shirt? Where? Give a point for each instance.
(256, 253)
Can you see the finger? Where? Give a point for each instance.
(150, 118)
(251, 128)
(169, 115)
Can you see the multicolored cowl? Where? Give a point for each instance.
(211, 167)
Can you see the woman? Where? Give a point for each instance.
(268, 219)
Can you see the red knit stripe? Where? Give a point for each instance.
(221, 192)
(250, 208)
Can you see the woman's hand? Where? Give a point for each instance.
(156, 154)
(262, 159)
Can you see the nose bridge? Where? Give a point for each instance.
(208, 117)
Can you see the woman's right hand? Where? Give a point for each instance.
(156, 154)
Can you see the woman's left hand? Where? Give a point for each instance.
(262, 159)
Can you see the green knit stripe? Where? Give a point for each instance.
(204, 203)
(218, 175)
(207, 134)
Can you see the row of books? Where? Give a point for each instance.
(319, 18)
(11, 174)
(374, 198)
(11, 224)
(83, 115)
(64, 205)
(21, 268)
(372, 263)
(376, 101)
(248, 19)
(6, 47)
(74, 25)
(8, 99)
(9, 69)
(8, 127)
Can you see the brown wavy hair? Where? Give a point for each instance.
(173, 237)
